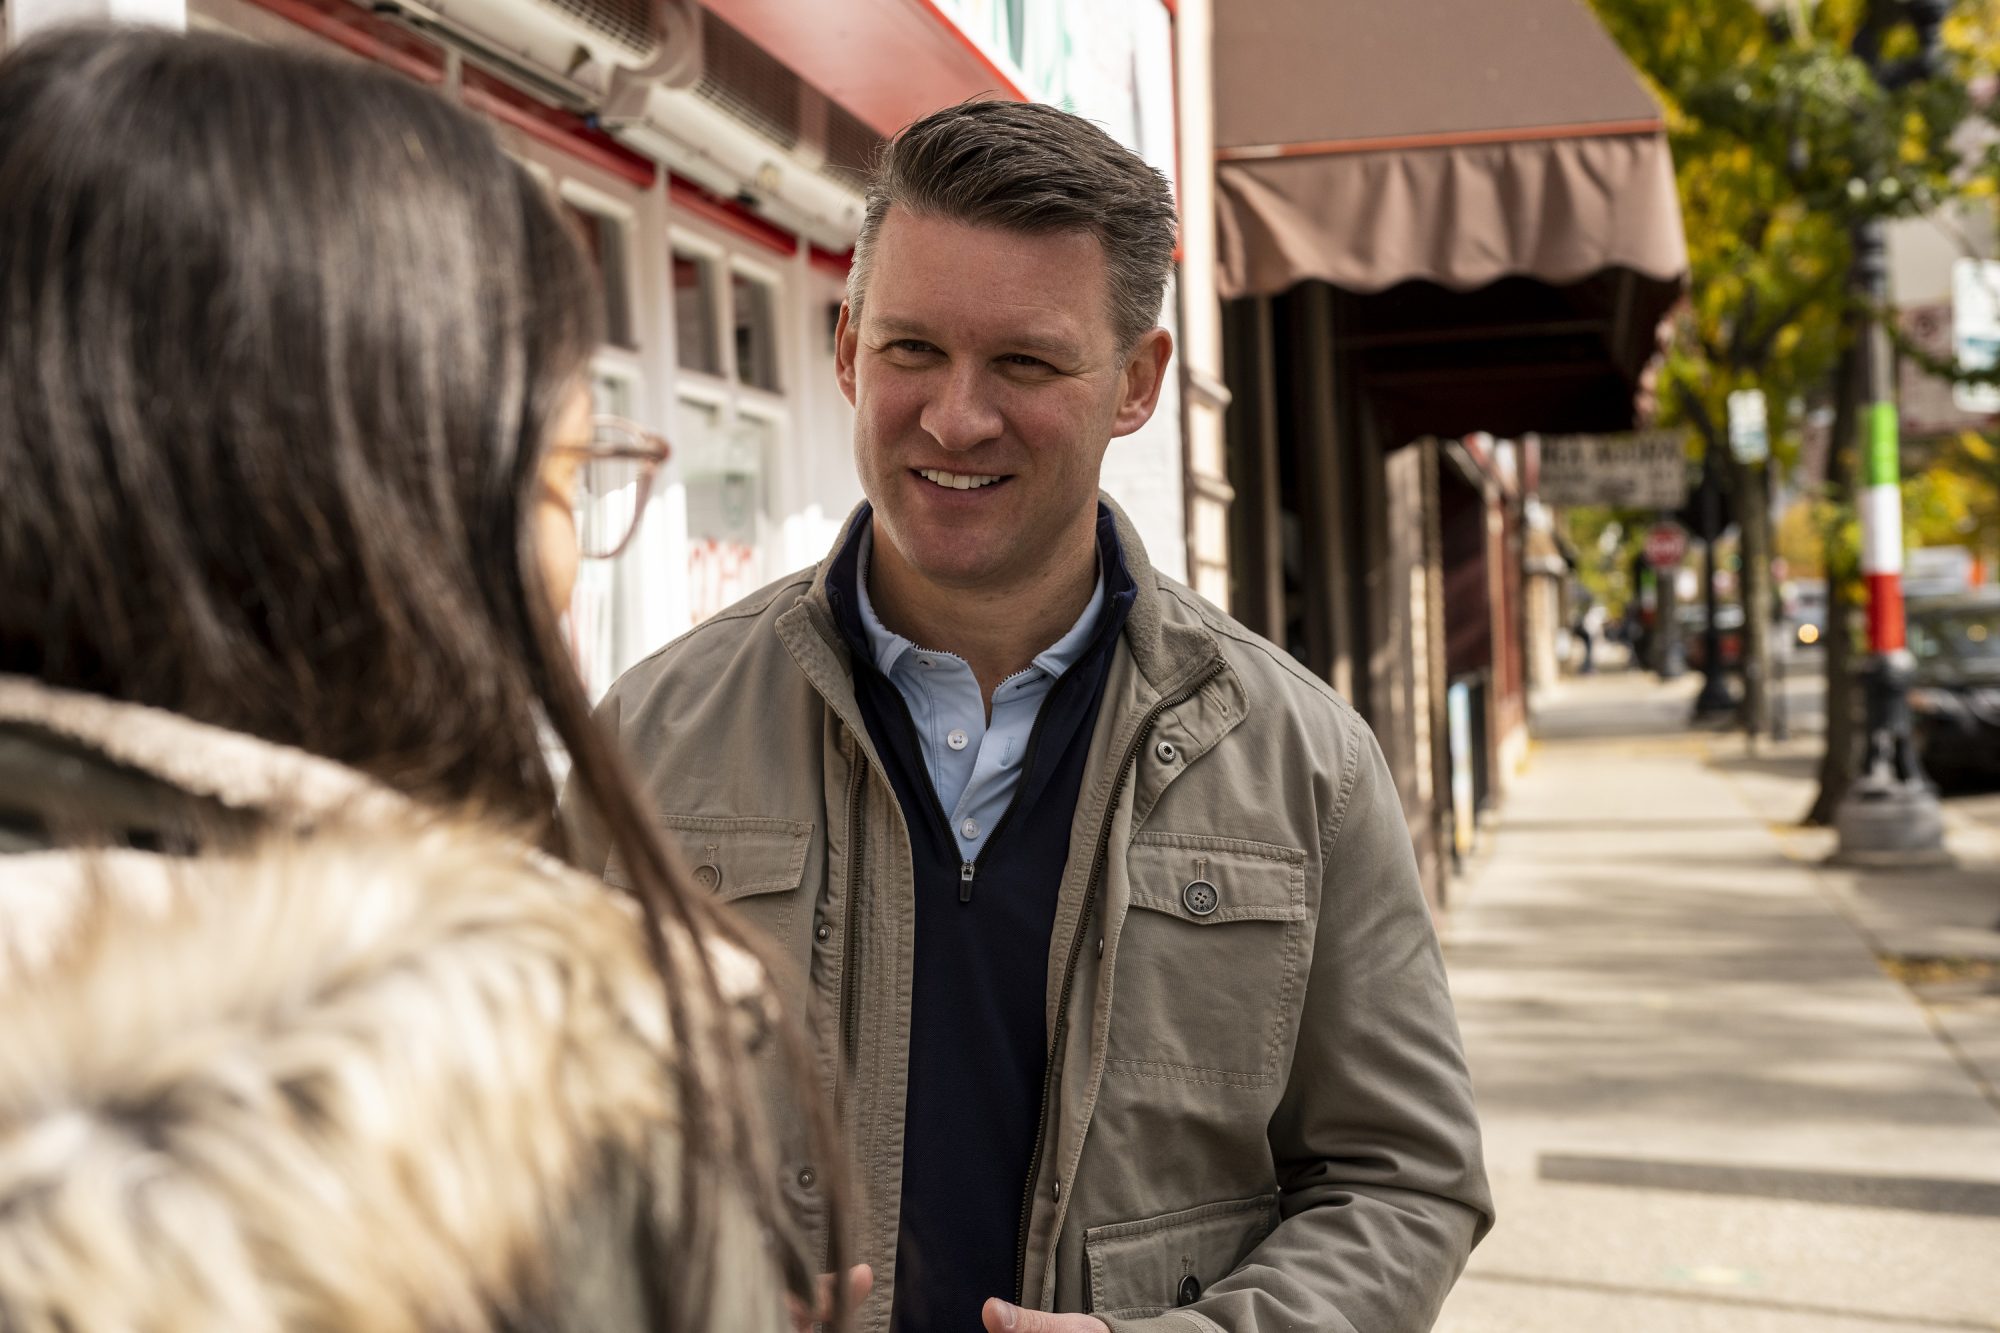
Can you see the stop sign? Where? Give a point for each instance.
(1666, 545)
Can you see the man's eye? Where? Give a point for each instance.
(1025, 361)
(912, 345)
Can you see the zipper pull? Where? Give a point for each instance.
(965, 874)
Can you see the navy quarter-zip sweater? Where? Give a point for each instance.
(978, 1038)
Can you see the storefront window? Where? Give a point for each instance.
(598, 622)
(724, 473)
(603, 239)
(697, 345)
(756, 315)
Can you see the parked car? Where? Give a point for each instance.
(1955, 696)
(1803, 621)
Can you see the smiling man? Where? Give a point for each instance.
(1104, 908)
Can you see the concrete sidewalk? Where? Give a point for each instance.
(1707, 1105)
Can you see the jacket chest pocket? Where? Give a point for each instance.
(1208, 962)
(754, 864)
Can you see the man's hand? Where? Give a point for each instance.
(860, 1281)
(1000, 1317)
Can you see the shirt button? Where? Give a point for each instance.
(970, 828)
(958, 740)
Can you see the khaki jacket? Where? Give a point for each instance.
(1257, 1115)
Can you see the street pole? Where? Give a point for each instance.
(1715, 698)
(1891, 813)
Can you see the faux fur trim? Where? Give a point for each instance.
(348, 1081)
(241, 771)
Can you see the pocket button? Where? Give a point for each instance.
(708, 876)
(1201, 897)
(1190, 1291)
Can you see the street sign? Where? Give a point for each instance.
(1749, 431)
(1975, 330)
(1666, 545)
(1641, 470)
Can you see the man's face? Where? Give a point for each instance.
(987, 382)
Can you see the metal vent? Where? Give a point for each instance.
(631, 24)
(746, 81)
(851, 147)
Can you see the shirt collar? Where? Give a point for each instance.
(1110, 605)
(887, 647)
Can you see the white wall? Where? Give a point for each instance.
(26, 17)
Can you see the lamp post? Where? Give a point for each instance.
(1891, 813)
(1716, 698)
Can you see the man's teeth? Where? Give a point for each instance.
(958, 481)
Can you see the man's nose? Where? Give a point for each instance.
(961, 414)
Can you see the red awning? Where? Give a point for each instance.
(887, 61)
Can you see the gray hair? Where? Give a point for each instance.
(1030, 167)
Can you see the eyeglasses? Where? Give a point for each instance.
(614, 479)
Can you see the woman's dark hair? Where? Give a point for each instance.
(282, 339)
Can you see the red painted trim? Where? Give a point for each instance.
(365, 35)
(559, 129)
(1885, 613)
(374, 38)
(730, 216)
(833, 263)
(1456, 139)
(1005, 84)
(1173, 8)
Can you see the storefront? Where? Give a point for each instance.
(712, 159)
(1467, 235)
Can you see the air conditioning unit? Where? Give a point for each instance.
(748, 128)
(695, 138)
(574, 47)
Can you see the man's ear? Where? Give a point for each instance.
(846, 343)
(1144, 374)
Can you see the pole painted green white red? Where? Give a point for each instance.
(1882, 530)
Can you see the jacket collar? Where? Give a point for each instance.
(1165, 654)
(240, 772)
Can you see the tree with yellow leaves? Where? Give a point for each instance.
(1784, 143)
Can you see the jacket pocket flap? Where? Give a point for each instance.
(741, 857)
(1138, 1269)
(1208, 881)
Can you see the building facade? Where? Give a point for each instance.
(712, 158)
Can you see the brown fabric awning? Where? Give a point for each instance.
(1368, 143)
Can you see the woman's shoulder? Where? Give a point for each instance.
(345, 1069)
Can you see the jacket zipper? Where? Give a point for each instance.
(1075, 952)
(850, 1017)
(849, 1020)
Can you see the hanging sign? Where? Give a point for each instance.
(1749, 429)
(1975, 330)
(1640, 470)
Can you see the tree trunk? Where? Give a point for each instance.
(1840, 760)
(1753, 518)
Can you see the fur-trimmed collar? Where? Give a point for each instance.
(350, 1078)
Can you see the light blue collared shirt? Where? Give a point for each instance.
(974, 764)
